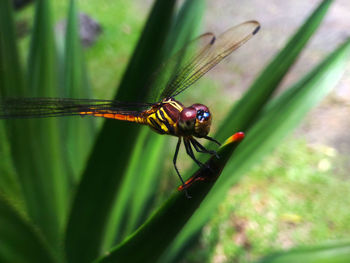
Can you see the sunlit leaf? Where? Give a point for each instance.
(337, 252)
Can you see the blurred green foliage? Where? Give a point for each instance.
(295, 198)
(100, 207)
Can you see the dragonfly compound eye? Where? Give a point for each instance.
(203, 115)
(187, 119)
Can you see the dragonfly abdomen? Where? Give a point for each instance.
(117, 116)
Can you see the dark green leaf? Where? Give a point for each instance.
(11, 78)
(135, 197)
(10, 69)
(109, 159)
(35, 145)
(138, 187)
(9, 183)
(154, 236)
(20, 241)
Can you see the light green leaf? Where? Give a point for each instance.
(79, 134)
(337, 252)
(20, 241)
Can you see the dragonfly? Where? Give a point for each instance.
(165, 115)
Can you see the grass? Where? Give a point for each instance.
(295, 198)
(121, 23)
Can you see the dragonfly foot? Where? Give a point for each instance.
(214, 153)
(212, 139)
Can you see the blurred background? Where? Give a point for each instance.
(298, 194)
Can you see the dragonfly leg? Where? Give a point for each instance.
(191, 154)
(200, 148)
(177, 171)
(212, 139)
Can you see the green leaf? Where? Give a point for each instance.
(9, 183)
(186, 25)
(50, 197)
(20, 242)
(247, 109)
(279, 119)
(138, 190)
(337, 252)
(11, 80)
(79, 134)
(154, 236)
(42, 55)
(148, 180)
(109, 159)
(10, 70)
(35, 145)
(285, 113)
(265, 135)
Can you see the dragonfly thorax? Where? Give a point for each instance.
(171, 117)
(195, 121)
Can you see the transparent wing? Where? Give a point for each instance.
(168, 74)
(55, 107)
(199, 56)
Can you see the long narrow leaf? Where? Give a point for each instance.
(153, 237)
(11, 81)
(329, 253)
(143, 172)
(35, 144)
(244, 113)
(46, 184)
(284, 114)
(109, 159)
(79, 134)
(121, 210)
(9, 183)
(139, 187)
(149, 174)
(20, 241)
(278, 120)
(186, 25)
(10, 70)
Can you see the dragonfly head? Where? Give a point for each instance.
(195, 120)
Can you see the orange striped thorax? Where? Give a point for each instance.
(171, 117)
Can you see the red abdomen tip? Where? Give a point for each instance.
(239, 136)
